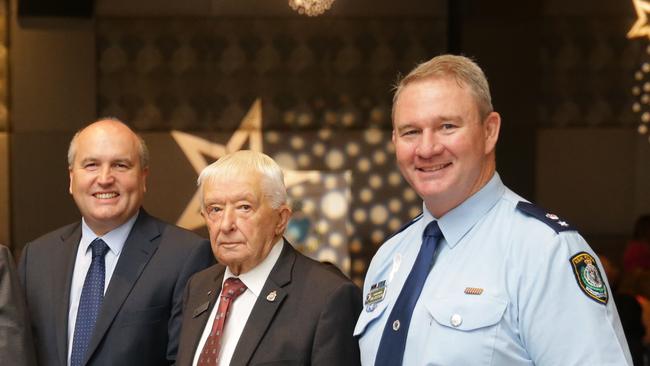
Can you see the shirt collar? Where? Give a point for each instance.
(114, 239)
(457, 222)
(256, 277)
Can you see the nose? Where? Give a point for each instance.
(105, 176)
(429, 145)
(227, 220)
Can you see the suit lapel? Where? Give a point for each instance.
(62, 284)
(200, 314)
(138, 249)
(265, 309)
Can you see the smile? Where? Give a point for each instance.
(433, 168)
(105, 195)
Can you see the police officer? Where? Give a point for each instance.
(482, 277)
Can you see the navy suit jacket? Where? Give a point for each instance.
(139, 322)
(309, 321)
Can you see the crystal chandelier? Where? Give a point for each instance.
(310, 7)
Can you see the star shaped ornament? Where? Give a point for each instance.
(641, 28)
(196, 150)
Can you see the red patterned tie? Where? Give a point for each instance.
(232, 288)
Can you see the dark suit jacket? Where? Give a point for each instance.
(16, 344)
(310, 321)
(139, 322)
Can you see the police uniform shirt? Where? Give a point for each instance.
(510, 285)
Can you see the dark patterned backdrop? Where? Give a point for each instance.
(324, 86)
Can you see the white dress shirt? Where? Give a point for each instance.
(115, 240)
(241, 308)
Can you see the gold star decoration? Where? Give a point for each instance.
(196, 149)
(641, 28)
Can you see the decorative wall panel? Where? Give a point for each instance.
(315, 94)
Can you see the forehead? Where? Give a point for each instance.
(106, 141)
(434, 95)
(245, 185)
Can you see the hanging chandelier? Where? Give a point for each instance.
(311, 7)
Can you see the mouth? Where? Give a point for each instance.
(432, 168)
(105, 195)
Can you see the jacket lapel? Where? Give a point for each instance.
(265, 307)
(138, 249)
(200, 314)
(62, 284)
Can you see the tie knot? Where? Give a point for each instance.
(432, 229)
(99, 248)
(232, 288)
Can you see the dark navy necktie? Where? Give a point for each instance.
(393, 340)
(92, 296)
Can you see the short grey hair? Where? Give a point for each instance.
(143, 150)
(243, 162)
(461, 68)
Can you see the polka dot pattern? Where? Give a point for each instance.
(92, 296)
(232, 288)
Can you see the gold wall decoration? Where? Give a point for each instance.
(641, 88)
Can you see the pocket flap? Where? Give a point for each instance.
(368, 317)
(467, 312)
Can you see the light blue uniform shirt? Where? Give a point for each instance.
(502, 291)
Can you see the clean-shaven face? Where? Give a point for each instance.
(107, 180)
(443, 148)
(242, 224)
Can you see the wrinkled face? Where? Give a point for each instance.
(443, 149)
(243, 226)
(107, 180)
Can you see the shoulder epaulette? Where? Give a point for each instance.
(552, 220)
(415, 219)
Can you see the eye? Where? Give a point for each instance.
(245, 207)
(91, 165)
(122, 165)
(410, 132)
(448, 126)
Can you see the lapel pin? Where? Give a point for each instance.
(473, 290)
(271, 296)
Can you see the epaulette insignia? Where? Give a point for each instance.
(589, 278)
(549, 219)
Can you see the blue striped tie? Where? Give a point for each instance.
(393, 340)
(92, 296)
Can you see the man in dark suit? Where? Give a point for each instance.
(108, 290)
(277, 306)
(16, 344)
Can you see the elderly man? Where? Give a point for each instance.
(16, 344)
(265, 303)
(482, 277)
(108, 290)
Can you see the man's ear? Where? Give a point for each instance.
(285, 214)
(491, 127)
(70, 183)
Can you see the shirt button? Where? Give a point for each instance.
(456, 320)
(396, 325)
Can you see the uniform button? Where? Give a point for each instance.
(396, 325)
(456, 320)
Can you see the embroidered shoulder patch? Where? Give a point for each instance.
(589, 278)
(552, 220)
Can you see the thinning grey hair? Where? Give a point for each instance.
(463, 69)
(244, 162)
(143, 150)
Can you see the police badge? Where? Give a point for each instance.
(589, 278)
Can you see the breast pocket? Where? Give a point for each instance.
(145, 316)
(465, 327)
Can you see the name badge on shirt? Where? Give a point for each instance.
(376, 295)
